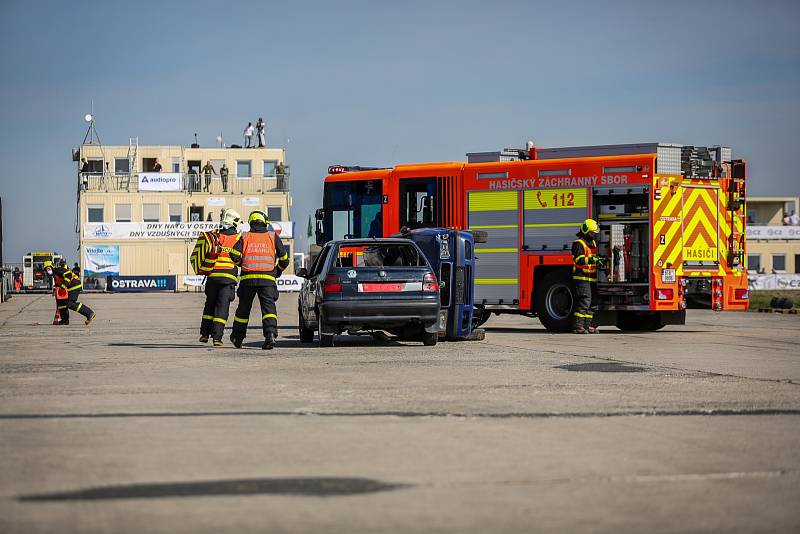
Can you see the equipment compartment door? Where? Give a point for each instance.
(700, 226)
(497, 260)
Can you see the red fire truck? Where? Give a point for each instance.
(672, 225)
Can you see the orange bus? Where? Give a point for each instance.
(672, 225)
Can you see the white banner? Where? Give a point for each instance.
(152, 230)
(160, 181)
(761, 282)
(251, 201)
(117, 231)
(773, 232)
(289, 282)
(194, 280)
(216, 201)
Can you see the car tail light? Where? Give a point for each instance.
(664, 294)
(332, 284)
(429, 283)
(742, 294)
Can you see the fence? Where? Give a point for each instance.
(189, 183)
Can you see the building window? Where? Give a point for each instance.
(94, 213)
(176, 164)
(244, 169)
(95, 165)
(151, 212)
(175, 213)
(274, 213)
(269, 167)
(754, 262)
(122, 212)
(779, 262)
(217, 164)
(122, 166)
(149, 164)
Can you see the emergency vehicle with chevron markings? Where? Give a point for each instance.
(672, 225)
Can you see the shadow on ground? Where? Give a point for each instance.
(300, 486)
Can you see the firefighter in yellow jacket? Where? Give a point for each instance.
(69, 285)
(584, 274)
(221, 278)
(263, 260)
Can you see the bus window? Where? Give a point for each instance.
(353, 209)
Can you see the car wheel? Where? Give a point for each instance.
(306, 334)
(429, 339)
(325, 340)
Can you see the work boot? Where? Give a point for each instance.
(579, 329)
(269, 342)
(236, 342)
(203, 339)
(594, 330)
(90, 319)
(64, 322)
(217, 342)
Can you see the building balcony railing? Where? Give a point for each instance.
(189, 183)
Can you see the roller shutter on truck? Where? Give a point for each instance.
(497, 270)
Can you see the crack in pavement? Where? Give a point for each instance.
(34, 301)
(410, 414)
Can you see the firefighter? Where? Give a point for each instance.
(68, 285)
(584, 273)
(222, 278)
(264, 258)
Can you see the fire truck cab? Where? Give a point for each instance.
(672, 225)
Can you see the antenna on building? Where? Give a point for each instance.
(91, 132)
(219, 140)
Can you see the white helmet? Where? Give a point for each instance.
(230, 218)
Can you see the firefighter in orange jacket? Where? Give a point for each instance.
(221, 280)
(67, 281)
(264, 258)
(584, 274)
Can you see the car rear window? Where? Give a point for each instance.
(383, 255)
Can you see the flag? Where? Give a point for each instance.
(310, 230)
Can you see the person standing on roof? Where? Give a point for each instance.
(584, 273)
(222, 278)
(248, 135)
(264, 258)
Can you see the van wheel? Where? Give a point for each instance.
(306, 334)
(479, 315)
(430, 339)
(554, 300)
(639, 322)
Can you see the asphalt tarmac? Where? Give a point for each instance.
(131, 425)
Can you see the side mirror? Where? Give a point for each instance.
(319, 214)
(480, 236)
(319, 238)
(302, 272)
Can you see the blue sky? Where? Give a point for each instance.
(382, 83)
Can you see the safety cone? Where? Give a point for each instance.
(57, 318)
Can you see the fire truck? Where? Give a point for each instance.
(672, 225)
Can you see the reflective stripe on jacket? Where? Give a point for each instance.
(581, 268)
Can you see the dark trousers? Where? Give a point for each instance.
(586, 303)
(208, 182)
(224, 178)
(71, 303)
(215, 312)
(267, 295)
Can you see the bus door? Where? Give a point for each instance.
(497, 260)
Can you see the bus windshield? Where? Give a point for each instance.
(353, 209)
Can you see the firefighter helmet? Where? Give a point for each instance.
(47, 263)
(230, 218)
(258, 215)
(590, 226)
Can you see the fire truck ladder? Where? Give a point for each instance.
(133, 148)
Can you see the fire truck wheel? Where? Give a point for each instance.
(479, 316)
(554, 299)
(639, 322)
